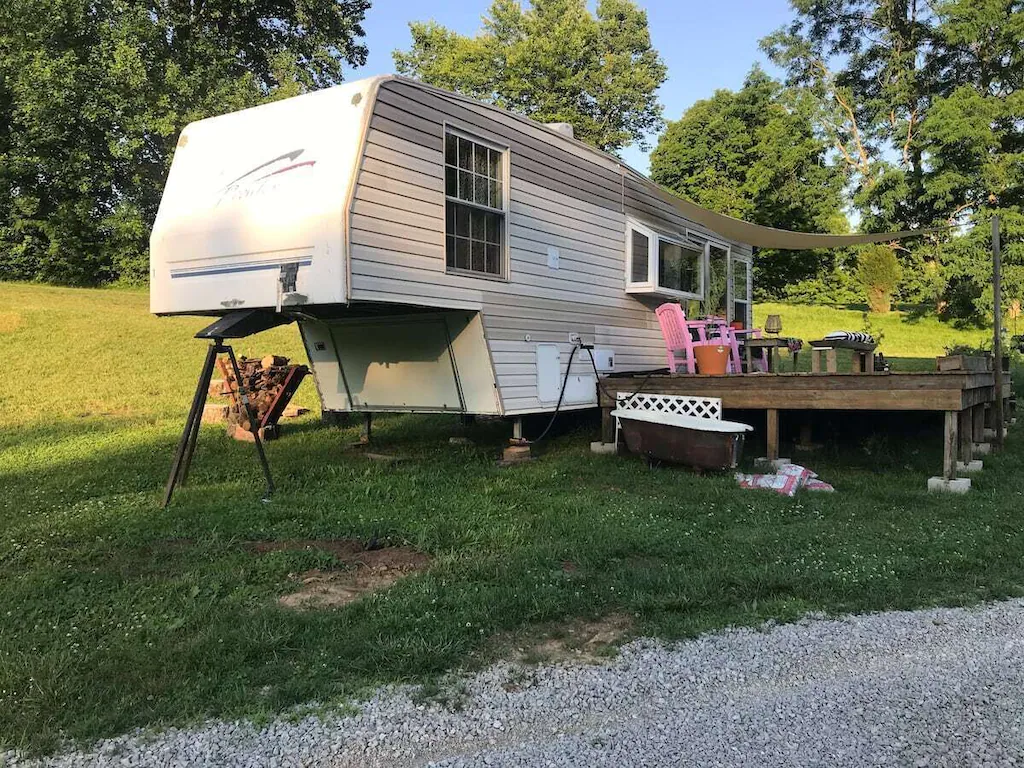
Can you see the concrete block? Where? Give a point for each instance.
(807, 446)
(982, 449)
(763, 461)
(990, 434)
(970, 467)
(604, 449)
(941, 485)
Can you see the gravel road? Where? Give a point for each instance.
(940, 687)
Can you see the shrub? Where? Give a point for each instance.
(878, 272)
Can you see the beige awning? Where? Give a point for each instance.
(782, 239)
(757, 235)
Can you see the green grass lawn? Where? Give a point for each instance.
(117, 614)
(902, 334)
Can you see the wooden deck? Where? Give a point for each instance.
(965, 398)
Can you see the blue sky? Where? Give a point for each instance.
(706, 44)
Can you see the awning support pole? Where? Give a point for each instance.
(997, 330)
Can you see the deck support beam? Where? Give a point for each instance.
(607, 426)
(965, 430)
(978, 423)
(950, 445)
(772, 433)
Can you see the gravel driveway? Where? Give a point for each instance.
(939, 688)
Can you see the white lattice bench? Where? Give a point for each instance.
(701, 407)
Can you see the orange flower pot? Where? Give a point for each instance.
(712, 359)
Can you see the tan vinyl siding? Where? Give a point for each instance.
(560, 194)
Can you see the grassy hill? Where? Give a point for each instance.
(902, 334)
(117, 613)
(86, 353)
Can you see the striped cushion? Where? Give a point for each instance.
(865, 338)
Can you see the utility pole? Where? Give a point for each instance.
(997, 341)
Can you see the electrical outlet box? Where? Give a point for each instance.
(604, 359)
(574, 338)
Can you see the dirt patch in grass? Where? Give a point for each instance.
(363, 571)
(344, 549)
(588, 641)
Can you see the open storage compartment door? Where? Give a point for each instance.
(431, 362)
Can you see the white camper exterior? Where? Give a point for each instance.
(439, 254)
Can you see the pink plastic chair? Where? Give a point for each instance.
(726, 335)
(679, 343)
(760, 362)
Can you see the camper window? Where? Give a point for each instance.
(474, 205)
(663, 266)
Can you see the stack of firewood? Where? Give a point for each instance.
(269, 383)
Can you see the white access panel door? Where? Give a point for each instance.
(580, 388)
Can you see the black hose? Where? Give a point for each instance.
(597, 375)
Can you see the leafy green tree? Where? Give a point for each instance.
(753, 154)
(553, 61)
(94, 92)
(862, 62)
(878, 272)
(923, 103)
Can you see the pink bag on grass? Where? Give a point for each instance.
(787, 485)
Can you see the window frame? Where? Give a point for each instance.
(748, 299)
(708, 245)
(503, 257)
(654, 240)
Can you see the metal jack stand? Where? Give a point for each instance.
(187, 445)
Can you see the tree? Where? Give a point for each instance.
(861, 61)
(753, 154)
(924, 104)
(94, 92)
(554, 61)
(878, 272)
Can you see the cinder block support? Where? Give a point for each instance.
(956, 485)
(764, 462)
(969, 467)
(982, 449)
(604, 449)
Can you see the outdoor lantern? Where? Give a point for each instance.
(773, 324)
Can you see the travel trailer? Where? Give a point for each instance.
(438, 254)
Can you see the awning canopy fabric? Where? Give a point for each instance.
(782, 239)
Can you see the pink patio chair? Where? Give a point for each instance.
(679, 342)
(761, 362)
(726, 335)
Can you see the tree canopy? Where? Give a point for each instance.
(754, 154)
(94, 92)
(553, 61)
(923, 104)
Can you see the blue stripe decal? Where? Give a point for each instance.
(230, 270)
